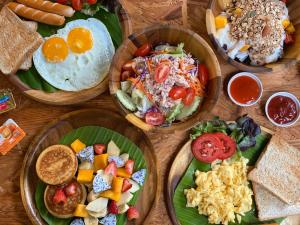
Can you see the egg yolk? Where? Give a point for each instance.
(55, 49)
(80, 40)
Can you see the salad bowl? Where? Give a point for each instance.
(170, 35)
(291, 52)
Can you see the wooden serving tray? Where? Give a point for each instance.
(55, 130)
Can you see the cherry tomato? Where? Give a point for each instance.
(125, 75)
(129, 65)
(161, 73)
(190, 95)
(289, 39)
(143, 50)
(203, 74)
(206, 148)
(154, 118)
(177, 92)
(229, 146)
(92, 2)
(64, 2)
(77, 5)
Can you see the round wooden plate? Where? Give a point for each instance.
(54, 131)
(65, 97)
(178, 169)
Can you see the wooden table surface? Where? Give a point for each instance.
(33, 116)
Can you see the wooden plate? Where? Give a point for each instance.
(68, 98)
(54, 131)
(178, 169)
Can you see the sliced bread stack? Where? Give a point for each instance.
(276, 180)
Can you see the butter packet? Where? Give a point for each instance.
(7, 101)
(10, 135)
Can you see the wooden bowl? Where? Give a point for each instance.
(65, 97)
(291, 53)
(55, 130)
(173, 35)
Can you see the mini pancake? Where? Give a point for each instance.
(57, 164)
(64, 210)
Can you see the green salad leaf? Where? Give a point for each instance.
(91, 135)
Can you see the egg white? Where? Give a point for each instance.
(79, 71)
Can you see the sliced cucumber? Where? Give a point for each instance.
(126, 86)
(125, 99)
(174, 112)
(189, 110)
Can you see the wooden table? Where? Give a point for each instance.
(32, 116)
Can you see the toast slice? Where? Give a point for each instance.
(27, 64)
(270, 207)
(278, 170)
(16, 41)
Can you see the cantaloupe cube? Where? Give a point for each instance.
(85, 176)
(77, 145)
(100, 162)
(80, 211)
(121, 172)
(220, 21)
(286, 23)
(290, 29)
(117, 184)
(111, 195)
(244, 48)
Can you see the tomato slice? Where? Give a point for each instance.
(203, 74)
(77, 5)
(143, 50)
(129, 65)
(229, 146)
(206, 148)
(154, 118)
(161, 73)
(177, 92)
(190, 95)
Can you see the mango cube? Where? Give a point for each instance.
(121, 172)
(80, 211)
(117, 184)
(285, 23)
(245, 48)
(77, 145)
(85, 176)
(100, 162)
(111, 195)
(220, 21)
(291, 29)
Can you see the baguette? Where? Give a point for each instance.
(36, 15)
(50, 7)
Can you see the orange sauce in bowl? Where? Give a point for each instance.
(244, 89)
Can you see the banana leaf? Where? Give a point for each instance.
(110, 19)
(91, 135)
(190, 216)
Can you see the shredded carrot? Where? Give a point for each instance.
(149, 66)
(181, 65)
(189, 67)
(139, 85)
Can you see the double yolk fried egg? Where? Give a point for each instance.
(77, 57)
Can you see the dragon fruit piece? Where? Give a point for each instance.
(99, 184)
(118, 160)
(139, 176)
(77, 221)
(110, 219)
(87, 154)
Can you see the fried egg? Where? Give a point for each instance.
(78, 57)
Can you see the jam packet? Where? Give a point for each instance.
(7, 101)
(10, 135)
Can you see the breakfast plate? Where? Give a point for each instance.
(181, 177)
(88, 126)
(38, 84)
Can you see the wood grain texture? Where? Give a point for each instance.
(32, 116)
(172, 34)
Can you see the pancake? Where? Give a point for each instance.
(64, 210)
(57, 164)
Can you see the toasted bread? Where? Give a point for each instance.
(56, 165)
(64, 210)
(27, 64)
(16, 41)
(278, 170)
(270, 207)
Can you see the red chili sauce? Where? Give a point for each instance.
(244, 90)
(282, 109)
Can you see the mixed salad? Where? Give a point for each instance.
(163, 84)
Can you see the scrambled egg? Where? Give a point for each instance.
(223, 193)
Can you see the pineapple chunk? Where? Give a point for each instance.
(81, 211)
(77, 145)
(244, 48)
(113, 149)
(285, 23)
(85, 176)
(290, 29)
(220, 21)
